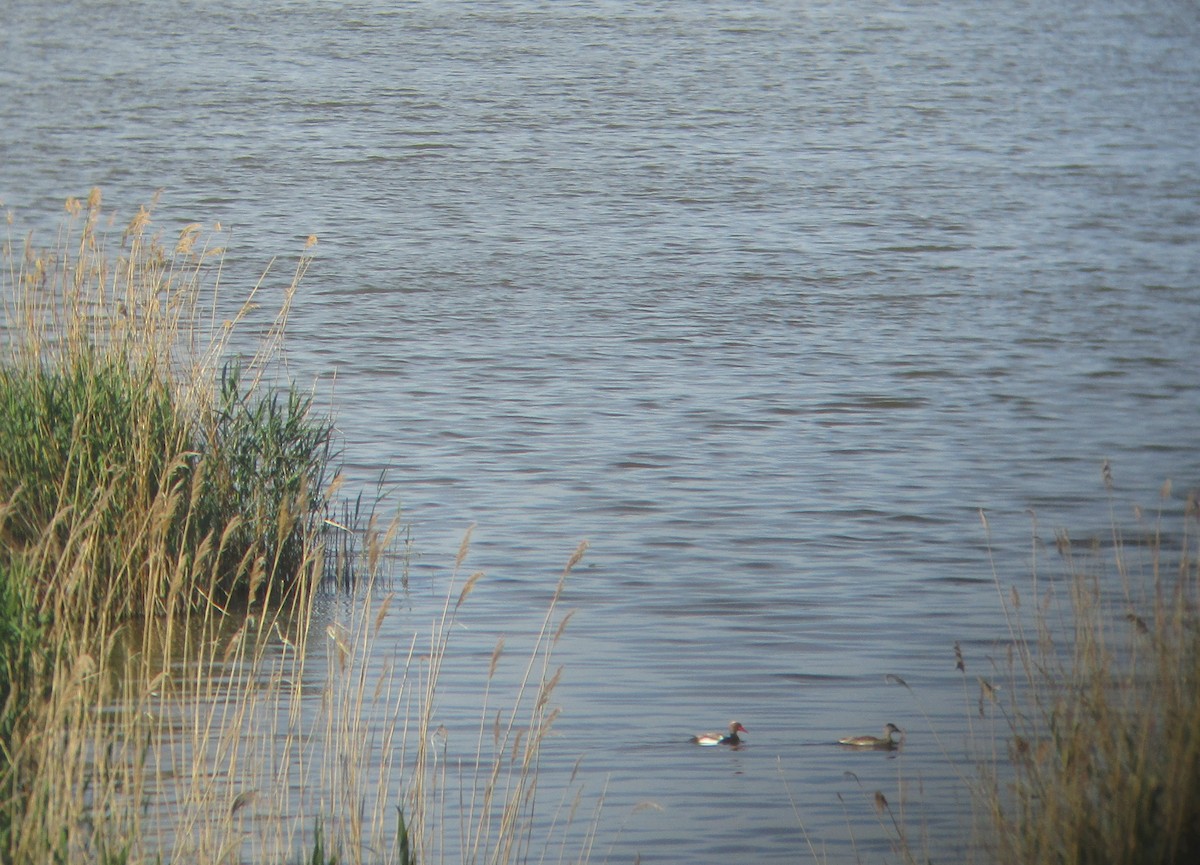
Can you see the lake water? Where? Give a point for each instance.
(763, 299)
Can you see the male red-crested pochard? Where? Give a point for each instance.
(883, 743)
(730, 738)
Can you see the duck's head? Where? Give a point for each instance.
(736, 727)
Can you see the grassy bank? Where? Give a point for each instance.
(1098, 760)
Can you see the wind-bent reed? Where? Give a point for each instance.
(396, 794)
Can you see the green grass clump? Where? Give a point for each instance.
(1101, 762)
(86, 446)
(133, 478)
(21, 637)
(264, 459)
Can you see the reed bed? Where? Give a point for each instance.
(132, 456)
(1097, 698)
(176, 685)
(151, 483)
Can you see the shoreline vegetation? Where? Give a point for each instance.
(167, 535)
(166, 538)
(154, 488)
(1095, 754)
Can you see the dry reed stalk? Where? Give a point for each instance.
(1098, 751)
(170, 737)
(195, 745)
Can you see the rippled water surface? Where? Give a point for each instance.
(765, 300)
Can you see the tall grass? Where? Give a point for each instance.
(170, 690)
(145, 485)
(310, 739)
(129, 462)
(1099, 696)
(423, 786)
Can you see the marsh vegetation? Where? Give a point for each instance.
(170, 522)
(1095, 753)
(167, 513)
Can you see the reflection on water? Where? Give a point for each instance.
(764, 300)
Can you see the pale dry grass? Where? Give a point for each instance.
(242, 744)
(1096, 752)
(153, 300)
(163, 722)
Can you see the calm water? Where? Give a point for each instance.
(763, 299)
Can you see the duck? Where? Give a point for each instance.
(884, 742)
(730, 738)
